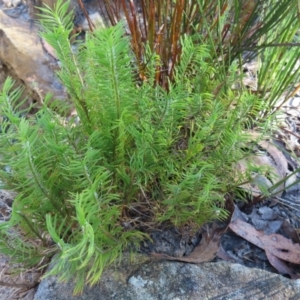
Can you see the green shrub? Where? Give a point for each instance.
(138, 155)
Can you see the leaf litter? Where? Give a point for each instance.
(204, 252)
(282, 252)
(276, 244)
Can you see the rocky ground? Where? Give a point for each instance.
(28, 60)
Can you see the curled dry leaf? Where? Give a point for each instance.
(280, 162)
(274, 166)
(49, 49)
(279, 159)
(280, 265)
(258, 182)
(276, 244)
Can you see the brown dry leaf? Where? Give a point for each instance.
(49, 49)
(280, 163)
(280, 265)
(204, 252)
(276, 166)
(276, 244)
(258, 180)
(278, 157)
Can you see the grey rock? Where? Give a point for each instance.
(259, 224)
(273, 227)
(266, 213)
(164, 280)
(96, 19)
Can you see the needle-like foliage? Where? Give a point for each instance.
(140, 154)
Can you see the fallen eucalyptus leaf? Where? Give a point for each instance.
(280, 265)
(276, 244)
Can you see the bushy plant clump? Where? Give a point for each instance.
(139, 154)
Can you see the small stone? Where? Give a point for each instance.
(266, 213)
(96, 19)
(137, 282)
(294, 102)
(273, 227)
(259, 224)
